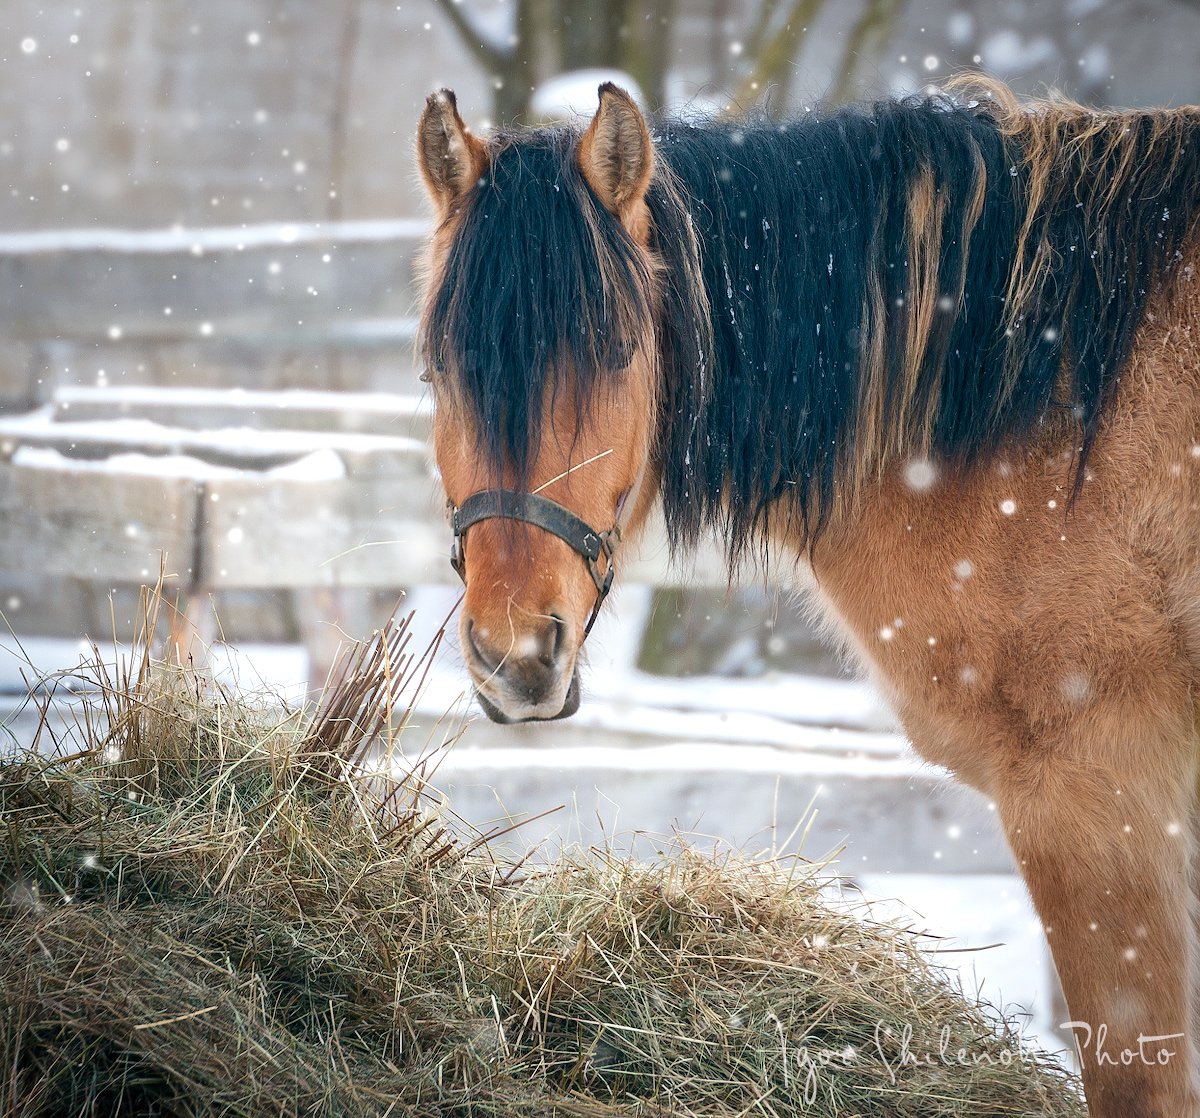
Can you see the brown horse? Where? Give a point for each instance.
(947, 353)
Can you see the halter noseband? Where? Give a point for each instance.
(507, 504)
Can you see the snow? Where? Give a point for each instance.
(1096, 63)
(920, 475)
(826, 703)
(141, 465)
(272, 670)
(320, 465)
(26, 659)
(278, 671)
(1006, 52)
(986, 930)
(132, 397)
(691, 754)
(494, 24)
(141, 435)
(959, 28)
(317, 466)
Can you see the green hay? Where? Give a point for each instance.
(212, 911)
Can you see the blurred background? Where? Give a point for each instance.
(145, 113)
(210, 222)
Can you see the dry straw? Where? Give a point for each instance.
(213, 910)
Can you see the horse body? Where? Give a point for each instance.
(1004, 524)
(1050, 660)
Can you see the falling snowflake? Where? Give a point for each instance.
(920, 474)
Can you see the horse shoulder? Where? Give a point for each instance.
(991, 608)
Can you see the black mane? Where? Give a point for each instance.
(913, 278)
(796, 222)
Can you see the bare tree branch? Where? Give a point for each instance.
(719, 20)
(646, 46)
(635, 35)
(766, 16)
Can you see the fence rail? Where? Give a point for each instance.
(264, 307)
(162, 361)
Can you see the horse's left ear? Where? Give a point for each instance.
(616, 154)
(451, 159)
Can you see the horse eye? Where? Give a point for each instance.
(622, 353)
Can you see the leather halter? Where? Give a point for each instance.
(507, 504)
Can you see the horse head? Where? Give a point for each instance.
(539, 338)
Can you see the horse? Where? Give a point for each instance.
(941, 356)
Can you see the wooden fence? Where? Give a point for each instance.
(282, 490)
(182, 386)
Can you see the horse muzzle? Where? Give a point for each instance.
(522, 710)
(530, 676)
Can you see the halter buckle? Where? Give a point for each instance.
(603, 581)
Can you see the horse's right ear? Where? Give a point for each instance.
(451, 159)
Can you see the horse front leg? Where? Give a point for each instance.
(1105, 849)
(1195, 894)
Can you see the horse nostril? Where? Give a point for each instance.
(554, 641)
(475, 649)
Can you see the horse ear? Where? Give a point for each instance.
(451, 159)
(616, 154)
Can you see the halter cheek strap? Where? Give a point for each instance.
(507, 504)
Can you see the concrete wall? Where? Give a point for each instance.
(150, 112)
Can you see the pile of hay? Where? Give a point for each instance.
(211, 911)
